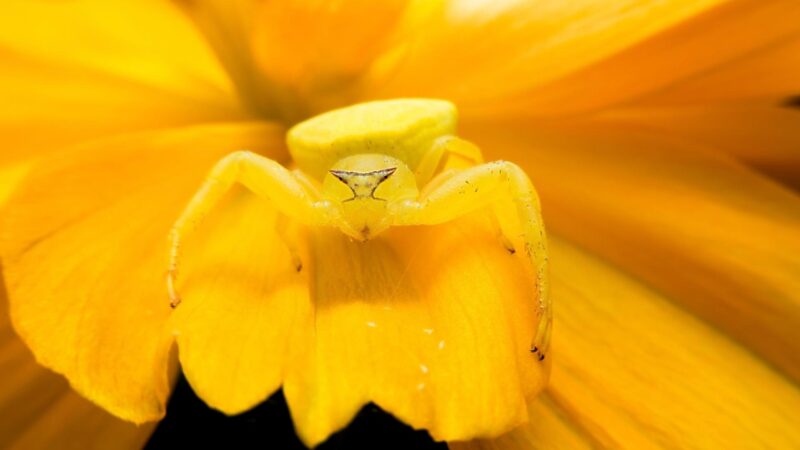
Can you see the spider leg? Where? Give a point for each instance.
(286, 230)
(311, 185)
(446, 153)
(266, 178)
(505, 188)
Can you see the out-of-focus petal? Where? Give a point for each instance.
(550, 427)
(292, 59)
(637, 371)
(149, 42)
(433, 324)
(319, 49)
(717, 237)
(227, 26)
(72, 422)
(76, 70)
(42, 113)
(10, 176)
(472, 52)
(84, 256)
(767, 76)
(733, 32)
(764, 137)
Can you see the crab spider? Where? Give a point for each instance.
(360, 169)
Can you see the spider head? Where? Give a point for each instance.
(366, 186)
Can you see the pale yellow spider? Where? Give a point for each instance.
(359, 170)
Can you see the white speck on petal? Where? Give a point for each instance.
(372, 324)
(441, 345)
(421, 386)
(428, 330)
(423, 368)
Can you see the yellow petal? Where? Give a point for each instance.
(109, 38)
(27, 390)
(245, 308)
(40, 411)
(706, 42)
(83, 250)
(767, 76)
(433, 324)
(550, 427)
(632, 370)
(291, 59)
(765, 137)
(320, 49)
(717, 237)
(86, 70)
(227, 26)
(42, 113)
(637, 371)
(303, 42)
(471, 52)
(440, 340)
(10, 176)
(72, 420)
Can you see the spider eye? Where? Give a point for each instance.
(363, 184)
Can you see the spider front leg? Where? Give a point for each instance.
(446, 155)
(505, 188)
(267, 179)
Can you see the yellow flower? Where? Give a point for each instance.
(657, 133)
